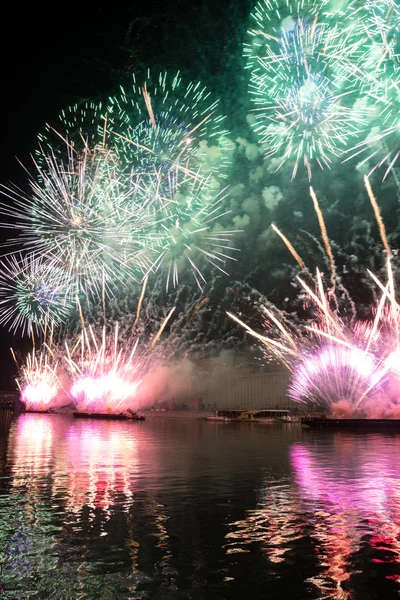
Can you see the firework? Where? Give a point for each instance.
(377, 70)
(79, 126)
(381, 147)
(324, 81)
(106, 372)
(160, 125)
(309, 124)
(166, 126)
(38, 380)
(378, 26)
(302, 84)
(335, 361)
(187, 233)
(33, 293)
(105, 376)
(339, 363)
(77, 217)
(102, 226)
(161, 152)
(336, 374)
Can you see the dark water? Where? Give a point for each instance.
(172, 508)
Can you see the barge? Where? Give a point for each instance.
(353, 424)
(109, 416)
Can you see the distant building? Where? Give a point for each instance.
(229, 383)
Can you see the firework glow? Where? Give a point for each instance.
(38, 381)
(105, 377)
(106, 373)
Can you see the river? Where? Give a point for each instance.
(187, 509)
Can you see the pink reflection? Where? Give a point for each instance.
(30, 448)
(101, 460)
(361, 488)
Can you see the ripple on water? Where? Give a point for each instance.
(186, 509)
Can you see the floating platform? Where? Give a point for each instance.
(354, 424)
(109, 416)
(40, 412)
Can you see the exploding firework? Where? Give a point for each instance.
(308, 123)
(381, 147)
(159, 126)
(105, 376)
(324, 81)
(100, 228)
(376, 26)
(336, 375)
(187, 233)
(301, 84)
(79, 126)
(161, 152)
(336, 364)
(38, 380)
(107, 372)
(33, 293)
(165, 126)
(77, 217)
(339, 363)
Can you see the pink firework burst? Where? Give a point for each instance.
(106, 374)
(38, 381)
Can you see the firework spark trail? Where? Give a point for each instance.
(147, 102)
(289, 246)
(325, 237)
(329, 319)
(378, 218)
(139, 306)
(285, 333)
(263, 339)
(163, 325)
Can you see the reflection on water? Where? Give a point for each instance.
(101, 467)
(341, 507)
(359, 502)
(171, 509)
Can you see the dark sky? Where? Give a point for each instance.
(52, 58)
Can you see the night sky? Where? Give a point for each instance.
(54, 57)
(72, 53)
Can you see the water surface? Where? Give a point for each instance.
(171, 508)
